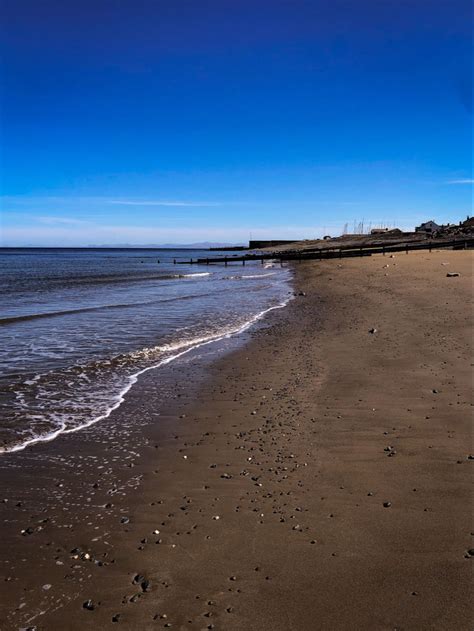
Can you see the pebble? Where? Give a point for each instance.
(387, 504)
(89, 605)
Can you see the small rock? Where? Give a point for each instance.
(452, 274)
(372, 331)
(387, 504)
(27, 531)
(145, 585)
(89, 605)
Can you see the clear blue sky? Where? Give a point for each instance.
(150, 121)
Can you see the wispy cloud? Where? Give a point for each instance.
(162, 203)
(461, 181)
(52, 220)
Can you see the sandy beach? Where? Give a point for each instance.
(317, 477)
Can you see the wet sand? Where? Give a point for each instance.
(317, 477)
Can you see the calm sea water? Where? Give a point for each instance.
(77, 327)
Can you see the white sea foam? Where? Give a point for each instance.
(177, 349)
(194, 275)
(259, 275)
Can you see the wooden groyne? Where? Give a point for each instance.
(332, 253)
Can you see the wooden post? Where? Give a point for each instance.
(383, 250)
(340, 253)
(406, 250)
(243, 262)
(430, 246)
(225, 261)
(207, 261)
(174, 261)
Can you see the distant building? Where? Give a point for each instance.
(378, 230)
(429, 227)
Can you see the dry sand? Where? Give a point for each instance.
(318, 478)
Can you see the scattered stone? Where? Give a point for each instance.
(89, 605)
(125, 520)
(387, 504)
(372, 331)
(452, 274)
(146, 585)
(116, 618)
(27, 531)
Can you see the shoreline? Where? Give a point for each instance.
(188, 347)
(285, 441)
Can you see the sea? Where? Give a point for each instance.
(79, 326)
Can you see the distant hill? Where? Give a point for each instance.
(171, 246)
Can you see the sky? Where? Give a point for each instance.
(153, 121)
